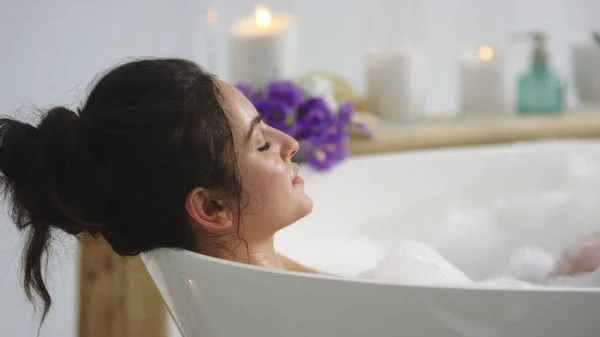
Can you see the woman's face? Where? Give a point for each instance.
(274, 192)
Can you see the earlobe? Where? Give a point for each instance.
(207, 211)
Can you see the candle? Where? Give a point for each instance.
(395, 84)
(211, 38)
(160, 41)
(586, 70)
(484, 82)
(263, 47)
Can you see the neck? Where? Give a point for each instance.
(258, 251)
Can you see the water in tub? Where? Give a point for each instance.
(513, 238)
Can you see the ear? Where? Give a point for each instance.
(208, 211)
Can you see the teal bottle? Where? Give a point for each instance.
(540, 91)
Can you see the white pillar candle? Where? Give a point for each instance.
(211, 38)
(263, 47)
(396, 84)
(484, 82)
(586, 70)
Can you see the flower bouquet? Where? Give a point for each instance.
(310, 114)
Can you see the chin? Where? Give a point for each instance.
(305, 207)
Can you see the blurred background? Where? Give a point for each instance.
(51, 50)
(402, 61)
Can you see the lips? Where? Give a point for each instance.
(296, 179)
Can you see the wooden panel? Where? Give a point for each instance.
(438, 134)
(117, 297)
(145, 311)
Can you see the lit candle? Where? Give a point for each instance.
(211, 38)
(263, 47)
(484, 82)
(396, 84)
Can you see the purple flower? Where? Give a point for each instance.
(277, 115)
(286, 92)
(364, 129)
(345, 113)
(345, 119)
(335, 132)
(336, 151)
(324, 156)
(313, 118)
(319, 160)
(304, 150)
(315, 107)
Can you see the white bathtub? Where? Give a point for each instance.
(542, 193)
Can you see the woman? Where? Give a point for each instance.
(162, 154)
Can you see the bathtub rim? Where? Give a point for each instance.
(148, 257)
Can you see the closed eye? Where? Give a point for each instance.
(265, 147)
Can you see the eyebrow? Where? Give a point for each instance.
(257, 120)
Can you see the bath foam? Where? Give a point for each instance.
(418, 263)
(413, 262)
(478, 212)
(510, 241)
(480, 235)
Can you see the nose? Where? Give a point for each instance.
(289, 146)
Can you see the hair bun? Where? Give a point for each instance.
(20, 149)
(25, 149)
(32, 161)
(59, 124)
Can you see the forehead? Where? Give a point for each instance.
(238, 108)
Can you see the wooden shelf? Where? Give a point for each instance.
(437, 134)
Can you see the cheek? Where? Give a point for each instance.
(271, 174)
(266, 181)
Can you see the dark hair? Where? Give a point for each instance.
(121, 166)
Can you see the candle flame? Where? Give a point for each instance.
(485, 53)
(211, 16)
(263, 16)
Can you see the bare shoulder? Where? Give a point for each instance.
(291, 265)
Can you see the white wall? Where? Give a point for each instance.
(16, 315)
(50, 50)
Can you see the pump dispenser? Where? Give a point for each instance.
(540, 91)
